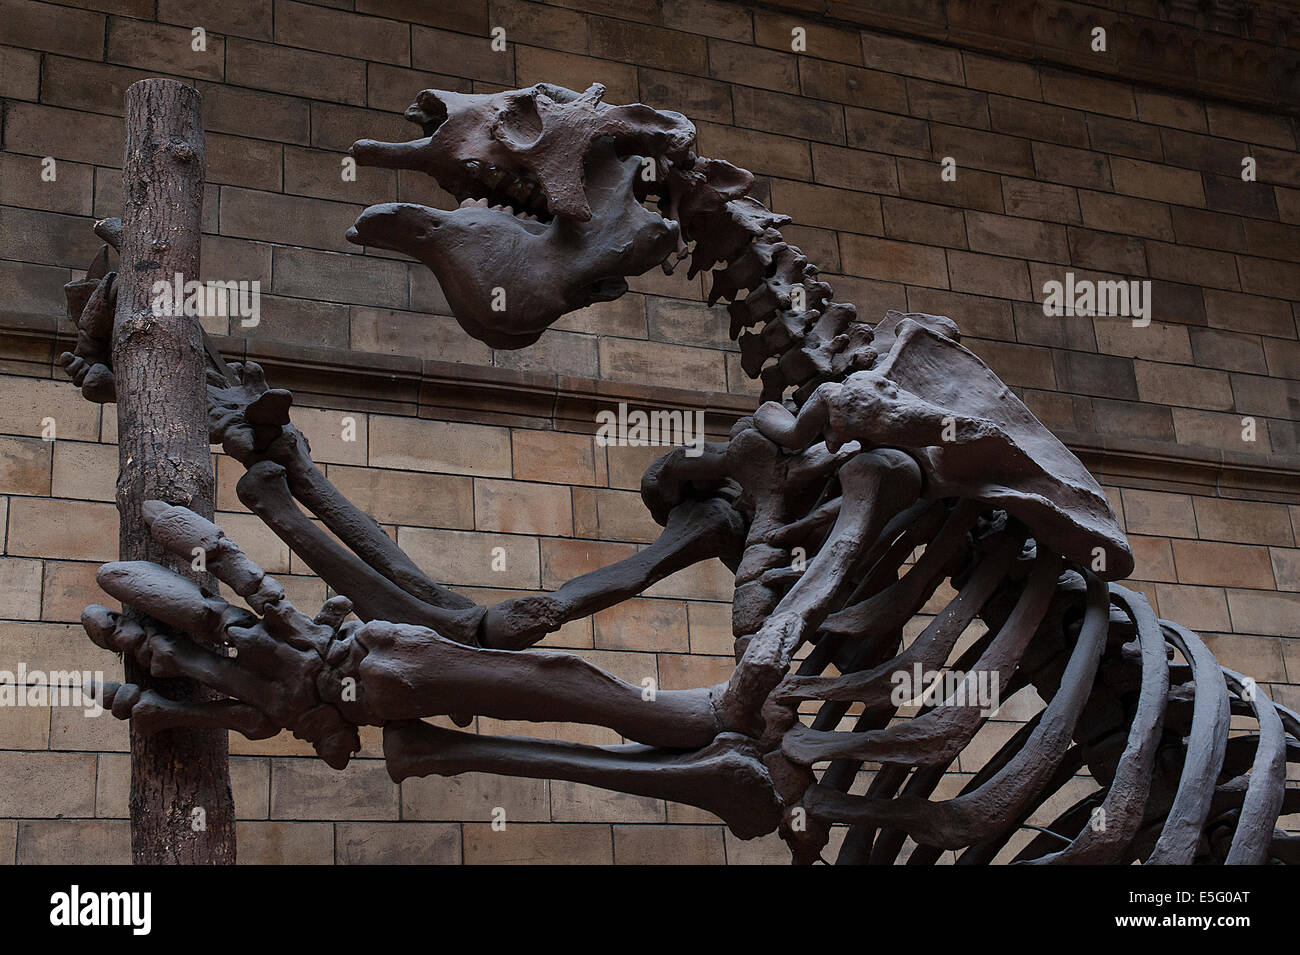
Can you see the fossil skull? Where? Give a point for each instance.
(551, 186)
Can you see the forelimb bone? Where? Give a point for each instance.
(696, 530)
(725, 777)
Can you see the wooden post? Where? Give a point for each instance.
(181, 809)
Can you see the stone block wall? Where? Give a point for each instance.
(1115, 165)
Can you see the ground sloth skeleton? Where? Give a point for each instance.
(871, 443)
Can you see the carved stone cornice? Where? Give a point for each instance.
(399, 385)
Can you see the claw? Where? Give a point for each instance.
(109, 630)
(244, 414)
(118, 698)
(99, 384)
(150, 712)
(110, 230)
(124, 698)
(163, 595)
(99, 266)
(182, 531)
(92, 303)
(100, 625)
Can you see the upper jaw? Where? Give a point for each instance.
(495, 187)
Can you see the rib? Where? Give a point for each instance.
(1126, 797)
(891, 608)
(995, 804)
(1263, 802)
(876, 486)
(1205, 747)
(938, 735)
(930, 650)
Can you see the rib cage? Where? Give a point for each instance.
(1175, 787)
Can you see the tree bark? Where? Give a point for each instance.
(181, 808)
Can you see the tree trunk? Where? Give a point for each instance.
(181, 808)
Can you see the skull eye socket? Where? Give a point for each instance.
(518, 125)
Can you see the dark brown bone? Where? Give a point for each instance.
(92, 303)
(1267, 787)
(939, 735)
(878, 397)
(1207, 741)
(876, 486)
(930, 650)
(507, 279)
(1126, 797)
(544, 150)
(544, 132)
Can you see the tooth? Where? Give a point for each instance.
(466, 202)
(474, 167)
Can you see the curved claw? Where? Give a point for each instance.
(150, 712)
(163, 595)
(110, 230)
(109, 630)
(92, 303)
(96, 381)
(333, 612)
